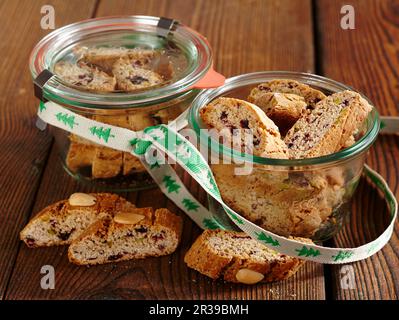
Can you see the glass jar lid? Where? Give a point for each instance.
(187, 50)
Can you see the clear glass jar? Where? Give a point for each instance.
(301, 197)
(186, 51)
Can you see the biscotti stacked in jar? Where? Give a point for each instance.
(297, 146)
(131, 72)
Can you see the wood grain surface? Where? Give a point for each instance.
(367, 59)
(246, 36)
(23, 148)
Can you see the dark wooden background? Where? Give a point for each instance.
(247, 35)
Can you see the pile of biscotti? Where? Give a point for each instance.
(286, 120)
(105, 228)
(110, 69)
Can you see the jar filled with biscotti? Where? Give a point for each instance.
(129, 71)
(308, 138)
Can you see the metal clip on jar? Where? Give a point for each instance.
(184, 62)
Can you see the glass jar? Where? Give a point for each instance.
(300, 197)
(183, 63)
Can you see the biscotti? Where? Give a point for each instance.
(236, 257)
(328, 126)
(64, 221)
(296, 206)
(230, 116)
(131, 78)
(283, 108)
(136, 234)
(80, 155)
(311, 95)
(82, 75)
(107, 163)
(105, 57)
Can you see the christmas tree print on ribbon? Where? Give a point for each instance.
(171, 184)
(190, 205)
(42, 106)
(234, 216)
(342, 255)
(141, 146)
(66, 119)
(267, 239)
(155, 165)
(102, 133)
(210, 224)
(308, 252)
(155, 133)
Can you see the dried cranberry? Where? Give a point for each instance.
(137, 79)
(157, 237)
(244, 124)
(141, 229)
(223, 116)
(115, 257)
(161, 247)
(30, 241)
(262, 88)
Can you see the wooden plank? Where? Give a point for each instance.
(23, 148)
(366, 58)
(231, 27)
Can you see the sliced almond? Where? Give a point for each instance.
(248, 276)
(128, 217)
(82, 199)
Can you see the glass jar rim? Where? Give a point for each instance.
(255, 78)
(56, 90)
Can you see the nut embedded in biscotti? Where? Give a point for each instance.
(82, 199)
(128, 218)
(248, 276)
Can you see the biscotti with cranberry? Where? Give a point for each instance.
(83, 76)
(136, 234)
(328, 126)
(105, 57)
(283, 108)
(311, 95)
(258, 134)
(64, 221)
(236, 257)
(131, 78)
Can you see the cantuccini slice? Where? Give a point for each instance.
(86, 77)
(236, 257)
(230, 116)
(134, 234)
(328, 126)
(64, 221)
(311, 95)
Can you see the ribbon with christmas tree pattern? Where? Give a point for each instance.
(153, 143)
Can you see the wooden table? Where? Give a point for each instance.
(247, 35)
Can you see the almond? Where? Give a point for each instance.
(248, 276)
(82, 199)
(128, 217)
